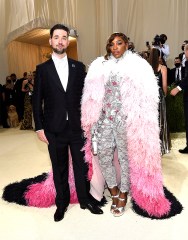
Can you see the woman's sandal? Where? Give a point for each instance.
(120, 210)
(113, 206)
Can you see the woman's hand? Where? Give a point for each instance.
(23, 85)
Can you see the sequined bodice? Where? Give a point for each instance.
(112, 100)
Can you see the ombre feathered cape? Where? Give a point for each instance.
(139, 92)
(140, 97)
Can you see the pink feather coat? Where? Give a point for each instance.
(139, 91)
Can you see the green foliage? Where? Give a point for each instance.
(175, 112)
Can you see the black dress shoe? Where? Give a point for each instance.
(185, 150)
(59, 214)
(100, 204)
(92, 208)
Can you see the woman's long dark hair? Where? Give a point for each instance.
(110, 39)
(154, 59)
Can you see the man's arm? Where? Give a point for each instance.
(38, 100)
(175, 91)
(165, 49)
(37, 106)
(182, 85)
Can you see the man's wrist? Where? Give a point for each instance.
(39, 130)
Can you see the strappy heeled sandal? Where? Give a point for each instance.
(120, 210)
(113, 206)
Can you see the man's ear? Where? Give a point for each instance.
(68, 42)
(50, 41)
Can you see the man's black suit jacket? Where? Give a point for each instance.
(184, 83)
(51, 102)
(173, 75)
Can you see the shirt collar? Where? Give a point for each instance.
(59, 60)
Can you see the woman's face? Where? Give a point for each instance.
(118, 47)
(8, 80)
(29, 76)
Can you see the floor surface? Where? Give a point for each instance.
(22, 155)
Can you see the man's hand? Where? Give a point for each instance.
(174, 91)
(42, 136)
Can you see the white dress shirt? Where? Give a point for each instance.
(61, 65)
(178, 69)
(165, 50)
(183, 60)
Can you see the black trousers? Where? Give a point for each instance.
(186, 119)
(59, 145)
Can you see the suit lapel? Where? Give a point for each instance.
(54, 75)
(71, 74)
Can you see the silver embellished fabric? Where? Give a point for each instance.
(111, 134)
(164, 132)
(163, 124)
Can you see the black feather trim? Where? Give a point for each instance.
(14, 192)
(176, 207)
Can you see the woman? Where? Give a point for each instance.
(122, 92)
(110, 128)
(27, 87)
(160, 72)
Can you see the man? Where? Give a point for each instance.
(58, 84)
(3, 111)
(19, 96)
(182, 54)
(13, 77)
(183, 85)
(164, 48)
(177, 73)
(131, 47)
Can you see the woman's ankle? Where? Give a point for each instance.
(114, 194)
(122, 199)
(114, 191)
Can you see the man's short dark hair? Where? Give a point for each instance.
(177, 58)
(25, 74)
(163, 36)
(59, 26)
(13, 75)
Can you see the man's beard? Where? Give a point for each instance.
(59, 51)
